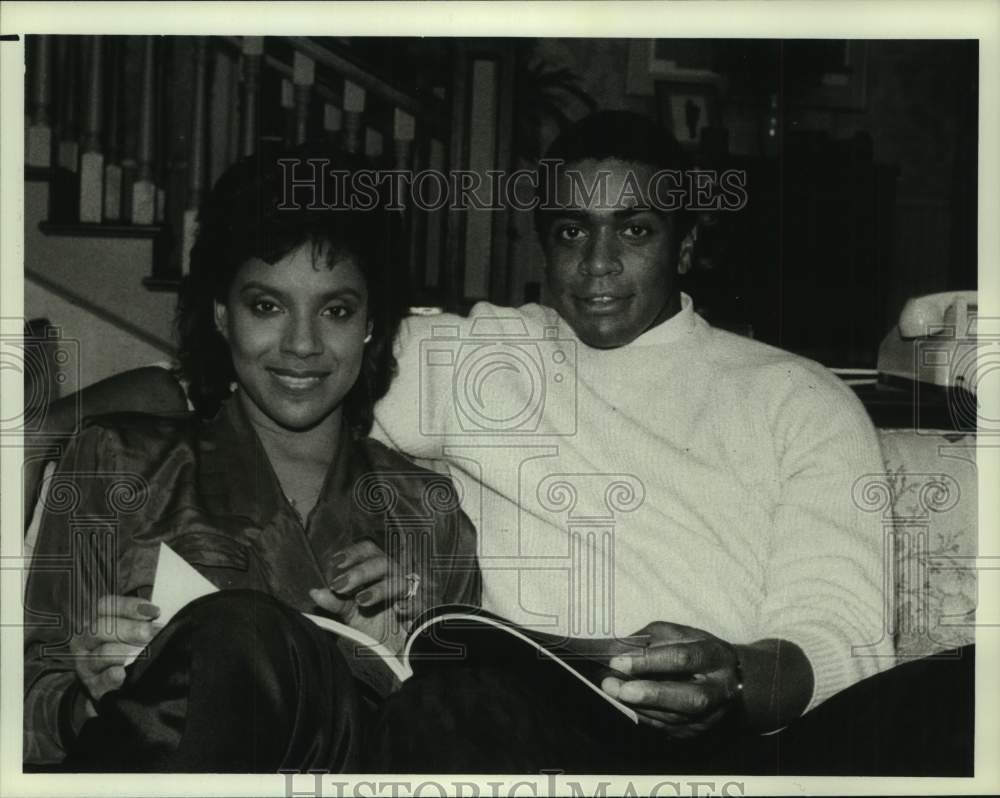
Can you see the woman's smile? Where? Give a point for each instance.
(298, 380)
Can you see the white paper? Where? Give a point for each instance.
(176, 584)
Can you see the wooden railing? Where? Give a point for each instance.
(130, 132)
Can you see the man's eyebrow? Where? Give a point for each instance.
(633, 210)
(579, 213)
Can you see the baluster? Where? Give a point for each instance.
(253, 50)
(163, 158)
(404, 158)
(288, 111)
(112, 163)
(436, 161)
(304, 73)
(354, 108)
(196, 162)
(333, 121)
(231, 96)
(403, 130)
(91, 157)
(38, 148)
(373, 144)
(144, 189)
(223, 102)
(68, 148)
(482, 114)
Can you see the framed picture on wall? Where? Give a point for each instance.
(686, 109)
(826, 74)
(678, 60)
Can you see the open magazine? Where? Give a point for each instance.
(442, 636)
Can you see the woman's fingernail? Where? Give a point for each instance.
(364, 596)
(340, 583)
(338, 559)
(148, 610)
(612, 686)
(621, 664)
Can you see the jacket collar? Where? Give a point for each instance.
(236, 474)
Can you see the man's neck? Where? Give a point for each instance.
(670, 308)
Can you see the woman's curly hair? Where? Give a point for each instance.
(256, 211)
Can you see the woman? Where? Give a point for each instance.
(271, 490)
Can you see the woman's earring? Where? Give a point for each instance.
(368, 338)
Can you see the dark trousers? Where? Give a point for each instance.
(915, 719)
(238, 682)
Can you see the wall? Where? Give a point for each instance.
(105, 272)
(920, 116)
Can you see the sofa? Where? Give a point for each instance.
(929, 508)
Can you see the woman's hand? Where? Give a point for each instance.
(685, 682)
(369, 592)
(125, 624)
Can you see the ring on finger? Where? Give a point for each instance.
(412, 586)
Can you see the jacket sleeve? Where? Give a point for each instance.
(462, 583)
(72, 565)
(440, 548)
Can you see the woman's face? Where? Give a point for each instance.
(296, 331)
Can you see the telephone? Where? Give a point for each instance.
(934, 342)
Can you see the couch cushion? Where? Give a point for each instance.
(932, 517)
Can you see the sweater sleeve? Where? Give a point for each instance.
(66, 558)
(440, 362)
(826, 584)
(413, 416)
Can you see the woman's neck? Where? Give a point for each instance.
(316, 446)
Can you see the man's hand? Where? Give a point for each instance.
(368, 592)
(685, 682)
(125, 624)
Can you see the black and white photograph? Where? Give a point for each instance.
(598, 411)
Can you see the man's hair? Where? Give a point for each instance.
(252, 213)
(621, 135)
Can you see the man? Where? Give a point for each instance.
(738, 549)
(632, 470)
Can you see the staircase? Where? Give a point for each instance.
(125, 134)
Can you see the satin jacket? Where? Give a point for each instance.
(207, 489)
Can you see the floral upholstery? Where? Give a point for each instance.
(930, 516)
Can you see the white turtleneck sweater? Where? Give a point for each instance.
(692, 476)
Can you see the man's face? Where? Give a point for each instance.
(610, 258)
